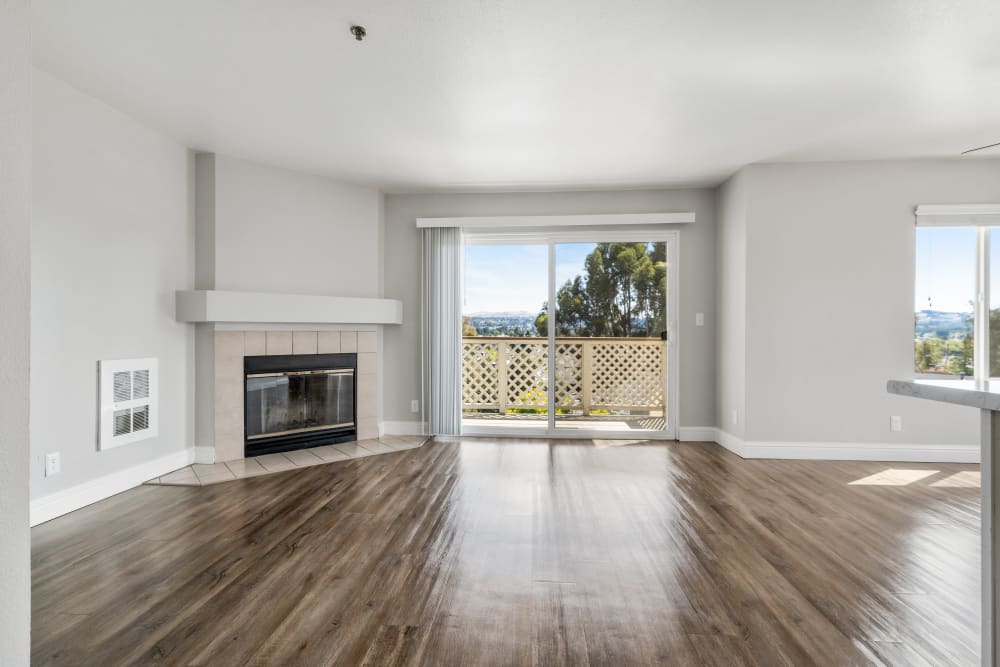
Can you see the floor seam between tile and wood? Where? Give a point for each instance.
(204, 474)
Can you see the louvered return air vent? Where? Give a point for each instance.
(129, 407)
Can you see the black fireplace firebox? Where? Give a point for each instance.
(298, 400)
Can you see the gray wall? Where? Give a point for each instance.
(731, 306)
(697, 280)
(282, 231)
(267, 229)
(829, 302)
(112, 239)
(15, 215)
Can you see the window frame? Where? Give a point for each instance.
(980, 217)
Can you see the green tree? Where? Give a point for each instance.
(467, 328)
(622, 293)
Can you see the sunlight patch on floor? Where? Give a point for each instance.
(617, 443)
(894, 477)
(968, 479)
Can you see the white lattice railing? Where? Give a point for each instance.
(500, 373)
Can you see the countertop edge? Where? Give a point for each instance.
(968, 396)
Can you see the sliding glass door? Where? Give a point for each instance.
(569, 334)
(505, 356)
(610, 336)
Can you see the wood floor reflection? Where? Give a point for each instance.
(506, 552)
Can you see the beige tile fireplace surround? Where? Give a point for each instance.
(230, 347)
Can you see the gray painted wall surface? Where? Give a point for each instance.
(731, 306)
(15, 294)
(697, 279)
(830, 279)
(286, 232)
(112, 239)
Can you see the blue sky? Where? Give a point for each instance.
(946, 265)
(514, 278)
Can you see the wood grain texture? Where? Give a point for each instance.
(518, 552)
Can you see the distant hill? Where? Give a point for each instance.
(515, 314)
(942, 324)
(503, 324)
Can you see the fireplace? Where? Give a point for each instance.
(298, 401)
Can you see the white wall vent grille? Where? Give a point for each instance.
(129, 410)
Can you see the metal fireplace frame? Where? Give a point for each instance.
(292, 363)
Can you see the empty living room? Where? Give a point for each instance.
(458, 332)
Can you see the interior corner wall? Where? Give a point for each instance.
(697, 279)
(112, 240)
(731, 306)
(204, 207)
(282, 231)
(15, 295)
(267, 229)
(829, 301)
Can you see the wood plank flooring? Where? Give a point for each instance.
(522, 552)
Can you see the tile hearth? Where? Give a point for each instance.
(201, 474)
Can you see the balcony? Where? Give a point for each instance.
(604, 384)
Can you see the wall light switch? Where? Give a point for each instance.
(895, 423)
(414, 406)
(699, 319)
(52, 464)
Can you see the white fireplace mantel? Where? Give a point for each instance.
(225, 306)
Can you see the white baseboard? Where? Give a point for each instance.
(730, 442)
(402, 428)
(65, 501)
(696, 433)
(204, 454)
(815, 451)
(849, 451)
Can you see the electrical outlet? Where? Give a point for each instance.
(699, 319)
(736, 416)
(52, 464)
(414, 405)
(895, 423)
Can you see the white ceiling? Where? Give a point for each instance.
(534, 94)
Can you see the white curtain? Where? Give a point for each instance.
(441, 320)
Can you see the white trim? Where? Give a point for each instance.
(730, 442)
(204, 454)
(229, 306)
(673, 240)
(849, 451)
(403, 428)
(65, 501)
(981, 310)
(550, 313)
(957, 214)
(508, 221)
(494, 237)
(696, 433)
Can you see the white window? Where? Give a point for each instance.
(956, 300)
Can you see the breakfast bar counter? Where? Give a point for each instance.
(985, 397)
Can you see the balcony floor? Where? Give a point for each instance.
(578, 422)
